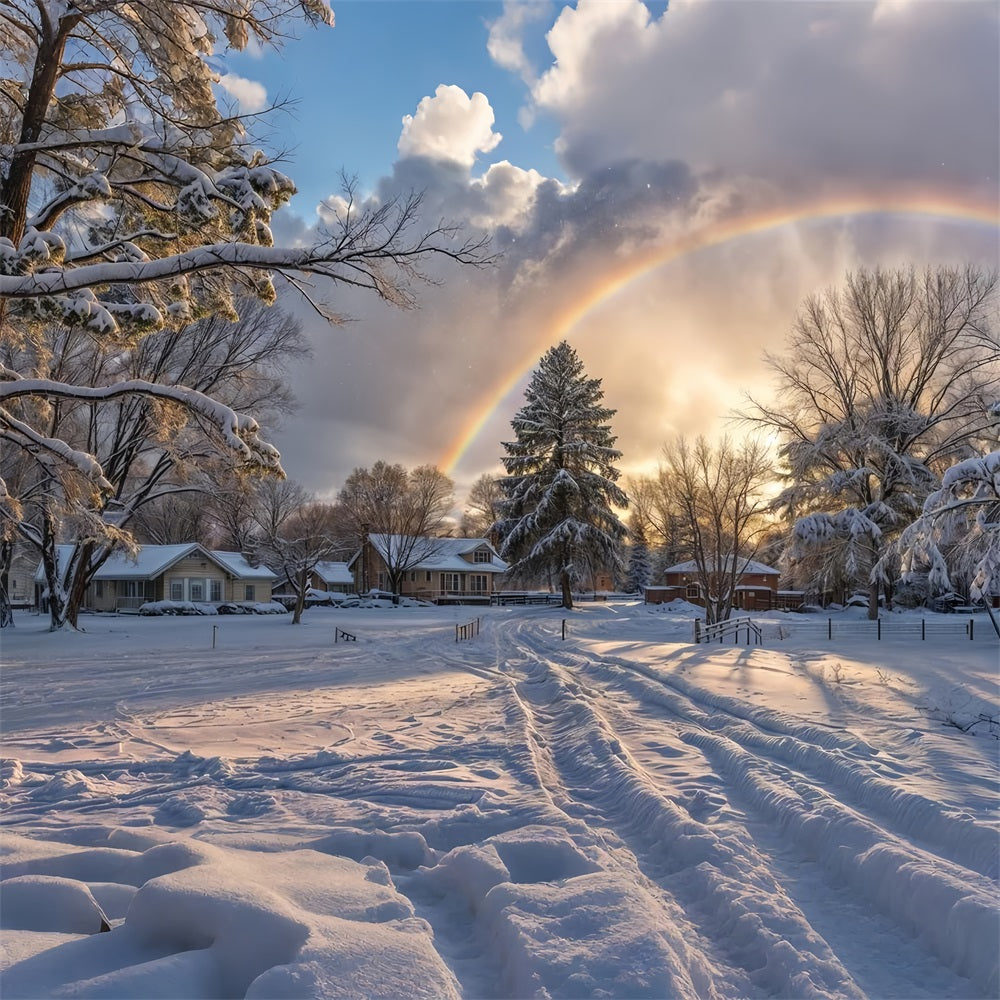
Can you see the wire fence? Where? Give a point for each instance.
(885, 630)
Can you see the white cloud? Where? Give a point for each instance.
(249, 94)
(449, 126)
(507, 194)
(506, 39)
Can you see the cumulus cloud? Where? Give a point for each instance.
(859, 91)
(449, 126)
(506, 38)
(250, 95)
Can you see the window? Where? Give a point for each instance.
(196, 588)
(100, 587)
(215, 590)
(478, 583)
(451, 582)
(249, 592)
(693, 590)
(177, 590)
(482, 556)
(428, 580)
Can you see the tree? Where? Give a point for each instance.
(294, 535)
(560, 489)
(719, 494)
(882, 386)
(406, 510)
(482, 508)
(129, 203)
(151, 452)
(960, 526)
(640, 569)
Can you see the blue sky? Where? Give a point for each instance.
(352, 86)
(782, 144)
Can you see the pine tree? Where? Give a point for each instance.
(556, 515)
(640, 569)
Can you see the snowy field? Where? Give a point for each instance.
(617, 814)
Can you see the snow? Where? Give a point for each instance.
(256, 810)
(747, 566)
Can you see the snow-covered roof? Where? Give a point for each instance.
(334, 572)
(153, 560)
(444, 554)
(236, 564)
(744, 565)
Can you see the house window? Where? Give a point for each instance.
(215, 590)
(177, 590)
(197, 589)
(478, 583)
(128, 588)
(413, 576)
(428, 580)
(451, 583)
(99, 587)
(249, 592)
(482, 556)
(693, 590)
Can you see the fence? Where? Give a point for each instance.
(720, 630)
(885, 629)
(467, 631)
(339, 634)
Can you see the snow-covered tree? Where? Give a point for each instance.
(407, 510)
(129, 202)
(640, 567)
(719, 493)
(881, 388)
(560, 491)
(958, 530)
(148, 451)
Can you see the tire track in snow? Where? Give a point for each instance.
(951, 908)
(745, 923)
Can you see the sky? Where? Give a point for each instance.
(664, 186)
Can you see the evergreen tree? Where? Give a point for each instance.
(640, 568)
(561, 484)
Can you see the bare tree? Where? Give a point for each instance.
(294, 535)
(883, 385)
(482, 508)
(406, 510)
(719, 494)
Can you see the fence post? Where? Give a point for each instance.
(215, 628)
(564, 628)
(878, 628)
(972, 623)
(923, 629)
(829, 628)
(697, 631)
(456, 633)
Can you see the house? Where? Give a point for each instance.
(756, 587)
(187, 572)
(442, 570)
(333, 577)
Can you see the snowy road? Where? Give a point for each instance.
(620, 813)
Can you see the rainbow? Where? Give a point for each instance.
(938, 206)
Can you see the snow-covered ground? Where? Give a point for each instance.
(617, 814)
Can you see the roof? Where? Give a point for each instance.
(443, 554)
(236, 564)
(334, 572)
(152, 561)
(751, 566)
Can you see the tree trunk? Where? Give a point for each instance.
(873, 601)
(300, 596)
(567, 591)
(79, 581)
(53, 576)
